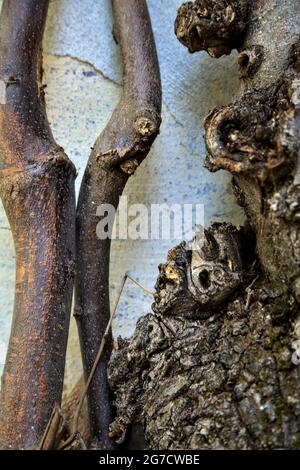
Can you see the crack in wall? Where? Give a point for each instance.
(85, 63)
(179, 123)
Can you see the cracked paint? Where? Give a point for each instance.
(87, 64)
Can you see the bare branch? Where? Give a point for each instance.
(116, 154)
(37, 190)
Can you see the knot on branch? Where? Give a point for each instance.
(256, 134)
(17, 181)
(214, 26)
(56, 159)
(200, 276)
(11, 80)
(132, 144)
(209, 383)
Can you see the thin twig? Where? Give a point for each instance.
(52, 431)
(148, 291)
(250, 293)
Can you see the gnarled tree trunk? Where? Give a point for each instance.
(217, 365)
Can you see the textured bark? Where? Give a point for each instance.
(208, 373)
(116, 154)
(37, 190)
(257, 140)
(217, 365)
(214, 26)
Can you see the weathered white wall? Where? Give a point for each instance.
(83, 76)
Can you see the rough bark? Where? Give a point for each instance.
(116, 154)
(37, 190)
(257, 137)
(217, 365)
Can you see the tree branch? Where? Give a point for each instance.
(116, 154)
(37, 190)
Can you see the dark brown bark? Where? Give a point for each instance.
(256, 139)
(116, 154)
(37, 190)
